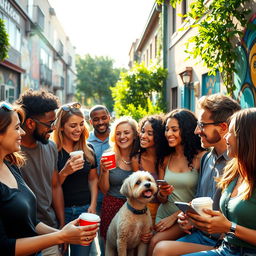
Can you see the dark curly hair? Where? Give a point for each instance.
(36, 103)
(161, 145)
(187, 124)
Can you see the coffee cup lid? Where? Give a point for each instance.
(89, 217)
(202, 200)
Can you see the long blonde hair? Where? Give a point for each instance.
(244, 162)
(112, 136)
(62, 117)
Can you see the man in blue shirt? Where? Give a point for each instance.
(99, 138)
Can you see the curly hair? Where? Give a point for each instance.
(187, 125)
(160, 142)
(37, 103)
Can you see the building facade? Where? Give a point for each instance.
(41, 54)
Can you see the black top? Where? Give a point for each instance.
(75, 187)
(17, 213)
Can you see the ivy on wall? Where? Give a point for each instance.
(219, 25)
(4, 41)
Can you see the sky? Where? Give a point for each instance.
(103, 27)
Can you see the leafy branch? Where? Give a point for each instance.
(4, 41)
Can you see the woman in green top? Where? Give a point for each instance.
(238, 200)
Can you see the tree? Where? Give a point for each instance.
(220, 24)
(95, 75)
(133, 92)
(4, 41)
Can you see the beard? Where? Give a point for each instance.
(101, 131)
(40, 137)
(212, 139)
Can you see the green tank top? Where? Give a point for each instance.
(185, 184)
(240, 211)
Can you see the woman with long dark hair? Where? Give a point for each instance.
(181, 172)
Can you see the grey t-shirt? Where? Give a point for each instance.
(41, 162)
(116, 179)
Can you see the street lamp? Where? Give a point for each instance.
(186, 76)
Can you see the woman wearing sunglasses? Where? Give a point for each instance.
(20, 231)
(78, 175)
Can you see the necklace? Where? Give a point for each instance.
(126, 162)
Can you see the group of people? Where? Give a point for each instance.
(43, 189)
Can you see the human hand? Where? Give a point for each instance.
(165, 223)
(92, 209)
(105, 164)
(145, 238)
(74, 234)
(165, 190)
(215, 223)
(73, 164)
(184, 222)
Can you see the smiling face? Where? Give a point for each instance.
(10, 141)
(42, 132)
(231, 140)
(173, 132)
(147, 135)
(209, 134)
(100, 120)
(73, 128)
(124, 136)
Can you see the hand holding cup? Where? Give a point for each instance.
(74, 163)
(108, 161)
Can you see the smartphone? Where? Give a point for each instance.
(186, 207)
(162, 182)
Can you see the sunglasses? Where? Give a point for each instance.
(69, 106)
(45, 124)
(6, 106)
(201, 125)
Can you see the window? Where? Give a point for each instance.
(173, 20)
(184, 8)
(155, 46)
(174, 96)
(150, 52)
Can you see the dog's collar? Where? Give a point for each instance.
(135, 211)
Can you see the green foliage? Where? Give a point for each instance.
(4, 41)
(95, 76)
(132, 93)
(219, 24)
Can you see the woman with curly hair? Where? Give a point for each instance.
(181, 172)
(150, 152)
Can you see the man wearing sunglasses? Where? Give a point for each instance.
(40, 170)
(214, 112)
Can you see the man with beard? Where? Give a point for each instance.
(40, 171)
(213, 120)
(99, 138)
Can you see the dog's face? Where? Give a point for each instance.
(139, 185)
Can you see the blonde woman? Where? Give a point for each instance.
(78, 176)
(122, 139)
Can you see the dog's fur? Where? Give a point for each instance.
(126, 228)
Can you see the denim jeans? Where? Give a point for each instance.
(226, 250)
(72, 213)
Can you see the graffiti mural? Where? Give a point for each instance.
(245, 77)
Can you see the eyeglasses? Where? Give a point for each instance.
(201, 125)
(6, 106)
(45, 124)
(69, 106)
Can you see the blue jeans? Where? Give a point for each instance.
(197, 237)
(226, 250)
(72, 213)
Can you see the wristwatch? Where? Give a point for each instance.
(232, 229)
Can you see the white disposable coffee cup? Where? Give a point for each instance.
(201, 203)
(77, 153)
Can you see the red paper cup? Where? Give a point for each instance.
(86, 219)
(110, 156)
